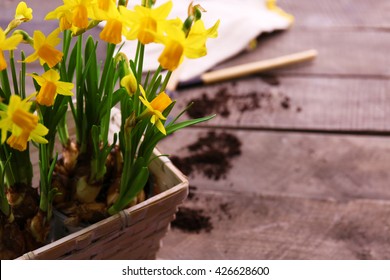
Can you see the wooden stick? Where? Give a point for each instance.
(256, 67)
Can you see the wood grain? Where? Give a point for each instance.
(340, 52)
(288, 102)
(338, 14)
(301, 165)
(247, 226)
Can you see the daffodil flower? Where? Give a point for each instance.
(116, 23)
(178, 45)
(199, 31)
(7, 44)
(51, 86)
(23, 13)
(22, 124)
(45, 48)
(144, 22)
(78, 11)
(64, 15)
(105, 4)
(155, 108)
(129, 82)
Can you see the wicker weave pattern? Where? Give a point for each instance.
(134, 233)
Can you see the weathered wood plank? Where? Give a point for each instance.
(340, 52)
(302, 165)
(247, 226)
(267, 102)
(339, 14)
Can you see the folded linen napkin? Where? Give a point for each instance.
(241, 21)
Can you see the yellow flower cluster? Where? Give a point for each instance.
(143, 23)
(148, 25)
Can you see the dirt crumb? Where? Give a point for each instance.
(192, 220)
(285, 103)
(271, 80)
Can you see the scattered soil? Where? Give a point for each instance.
(191, 193)
(271, 80)
(192, 220)
(211, 155)
(204, 105)
(225, 101)
(225, 209)
(285, 103)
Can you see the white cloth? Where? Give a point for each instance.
(240, 22)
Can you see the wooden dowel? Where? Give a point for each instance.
(256, 67)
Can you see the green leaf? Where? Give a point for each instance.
(5, 84)
(170, 128)
(52, 166)
(13, 73)
(72, 63)
(117, 96)
(107, 65)
(182, 112)
(90, 72)
(2, 94)
(134, 187)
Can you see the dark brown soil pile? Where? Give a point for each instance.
(222, 103)
(192, 220)
(211, 155)
(225, 101)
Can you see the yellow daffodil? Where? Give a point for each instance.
(178, 46)
(116, 23)
(51, 86)
(199, 31)
(7, 44)
(129, 82)
(155, 108)
(76, 12)
(105, 4)
(22, 124)
(23, 13)
(64, 15)
(145, 22)
(45, 48)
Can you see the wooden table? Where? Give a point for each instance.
(309, 177)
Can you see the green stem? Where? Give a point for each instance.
(22, 77)
(5, 156)
(63, 132)
(5, 84)
(166, 80)
(153, 80)
(43, 167)
(4, 205)
(13, 72)
(79, 96)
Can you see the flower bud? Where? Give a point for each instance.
(129, 82)
(195, 11)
